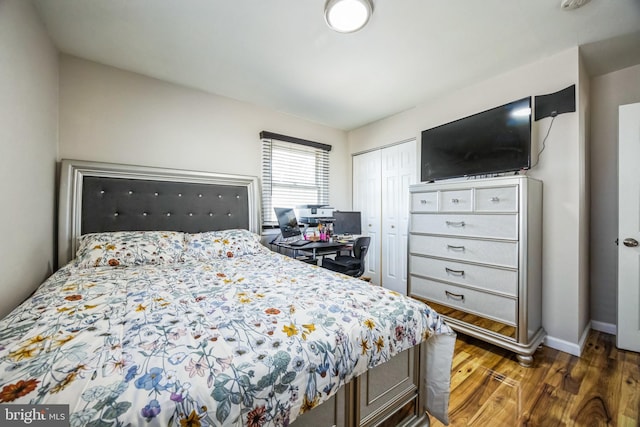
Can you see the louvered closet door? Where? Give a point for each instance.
(366, 199)
(399, 168)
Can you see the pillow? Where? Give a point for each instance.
(221, 244)
(127, 248)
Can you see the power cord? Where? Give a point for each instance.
(544, 141)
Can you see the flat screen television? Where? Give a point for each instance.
(493, 141)
(288, 222)
(347, 223)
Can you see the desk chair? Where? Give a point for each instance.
(347, 264)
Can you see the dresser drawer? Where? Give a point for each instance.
(485, 225)
(456, 201)
(484, 251)
(424, 202)
(487, 305)
(497, 199)
(489, 278)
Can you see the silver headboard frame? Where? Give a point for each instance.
(211, 193)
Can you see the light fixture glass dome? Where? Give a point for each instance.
(347, 16)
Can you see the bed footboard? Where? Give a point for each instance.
(390, 394)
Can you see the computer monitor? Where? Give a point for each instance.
(288, 222)
(347, 223)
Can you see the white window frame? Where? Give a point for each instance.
(294, 172)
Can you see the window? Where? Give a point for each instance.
(294, 172)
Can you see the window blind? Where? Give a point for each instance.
(293, 174)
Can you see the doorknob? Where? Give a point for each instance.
(630, 242)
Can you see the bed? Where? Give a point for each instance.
(167, 310)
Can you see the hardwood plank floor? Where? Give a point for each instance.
(490, 388)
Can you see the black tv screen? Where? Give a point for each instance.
(494, 141)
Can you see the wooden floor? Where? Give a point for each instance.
(490, 388)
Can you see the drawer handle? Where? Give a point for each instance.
(495, 199)
(456, 248)
(455, 223)
(458, 297)
(454, 272)
(455, 201)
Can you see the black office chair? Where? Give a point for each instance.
(347, 264)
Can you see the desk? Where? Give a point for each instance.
(315, 249)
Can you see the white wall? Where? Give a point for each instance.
(111, 115)
(559, 168)
(583, 104)
(28, 141)
(607, 93)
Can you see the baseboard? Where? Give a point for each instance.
(574, 349)
(607, 328)
(562, 345)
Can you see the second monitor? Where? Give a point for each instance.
(347, 222)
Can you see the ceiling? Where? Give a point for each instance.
(280, 54)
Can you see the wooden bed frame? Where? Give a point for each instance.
(97, 197)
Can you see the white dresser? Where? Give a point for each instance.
(475, 257)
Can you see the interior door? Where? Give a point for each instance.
(629, 228)
(398, 172)
(366, 199)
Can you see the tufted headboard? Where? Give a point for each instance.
(97, 197)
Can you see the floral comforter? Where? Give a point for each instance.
(254, 340)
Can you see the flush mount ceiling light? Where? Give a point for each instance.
(347, 16)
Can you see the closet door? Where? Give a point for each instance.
(398, 171)
(366, 199)
(628, 336)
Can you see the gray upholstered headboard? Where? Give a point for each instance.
(97, 197)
